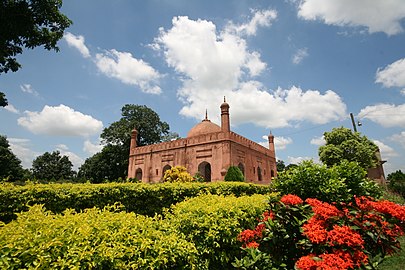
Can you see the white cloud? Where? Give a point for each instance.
(60, 121)
(129, 70)
(213, 65)
(11, 108)
(77, 42)
(386, 151)
(260, 18)
(387, 115)
(375, 15)
(392, 75)
(22, 149)
(297, 160)
(399, 138)
(318, 141)
(280, 143)
(299, 55)
(91, 148)
(27, 88)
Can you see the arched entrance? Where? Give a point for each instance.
(241, 168)
(259, 174)
(205, 170)
(138, 174)
(166, 168)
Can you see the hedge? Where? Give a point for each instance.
(145, 199)
(199, 233)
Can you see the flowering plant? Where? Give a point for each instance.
(312, 234)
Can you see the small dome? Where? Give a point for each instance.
(205, 127)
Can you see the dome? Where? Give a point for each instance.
(204, 127)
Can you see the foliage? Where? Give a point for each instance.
(234, 174)
(177, 174)
(213, 222)
(280, 165)
(93, 239)
(290, 166)
(29, 24)
(139, 198)
(3, 100)
(10, 165)
(52, 166)
(396, 261)
(396, 182)
(106, 166)
(336, 184)
(318, 235)
(343, 144)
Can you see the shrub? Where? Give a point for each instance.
(234, 174)
(336, 184)
(318, 235)
(396, 182)
(213, 222)
(177, 174)
(93, 239)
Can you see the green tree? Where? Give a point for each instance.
(108, 165)
(396, 182)
(343, 144)
(10, 165)
(3, 100)
(280, 165)
(29, 24)
(234, 174)
(52, 166)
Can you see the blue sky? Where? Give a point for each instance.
(295, 68)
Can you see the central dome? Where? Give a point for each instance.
(205, 127)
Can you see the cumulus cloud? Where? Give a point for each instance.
(22, 149)
(387, 115)
(11, 108)
(129, 70)
(92, 148)
(27, 88)
(60, 121)
(318, 141)
(399, 138)
(392, 75)
(280, 143)
(386, 151)
(299, 55)
(77, 42)
(375, 15)
(215, 63)
(262, 18)
(297, 160)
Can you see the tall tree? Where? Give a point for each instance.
(280, 165)
(52, 167)
(343, 144)
(3, 100)
(10, 165)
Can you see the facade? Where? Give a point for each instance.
(209, 149)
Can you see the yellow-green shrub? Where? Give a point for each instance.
(177, 174)
(213, 222)
(143, 199)
(93, 239)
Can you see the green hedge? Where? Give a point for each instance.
(145, 199)
(199, 233)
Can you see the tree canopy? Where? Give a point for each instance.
(29, 24)
(343, 144)
(3, 100)
(52, 167)
(10, 165)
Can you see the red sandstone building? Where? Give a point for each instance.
(208, 149)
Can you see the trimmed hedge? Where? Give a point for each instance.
(199, 233)
(145, 199)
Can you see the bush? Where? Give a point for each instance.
(234, 174)
(145, 199)
(294, 234)
(213, 222)
(396, 182)
(94, 239)
(177, 174)
(336, 184)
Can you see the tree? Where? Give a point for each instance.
(29, 24)
(396, 182)
(3, 100)
(10, 165)
(280, 165)
(52, 166)
(234, 174)
(343, 144)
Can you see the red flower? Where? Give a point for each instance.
(252, 245)
(268, 215)
(344, 236)
(314, 229)
(291, 199)
(324, 210)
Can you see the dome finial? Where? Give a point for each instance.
(206, 114)
(224, 99)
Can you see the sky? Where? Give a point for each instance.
(289, 67)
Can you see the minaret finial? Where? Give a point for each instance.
(206, 114)
(224, 99)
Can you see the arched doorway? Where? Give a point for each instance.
(138, 174)
(272, 173)
(259, 174)
(205, 170)
(166, 168)
(241, 168)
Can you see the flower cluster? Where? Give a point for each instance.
(291, 199)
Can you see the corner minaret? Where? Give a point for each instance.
(134, 136)
(271, 142)
(225, 124)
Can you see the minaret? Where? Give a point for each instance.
(134, 136)
(271, 142)
(225, 124)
